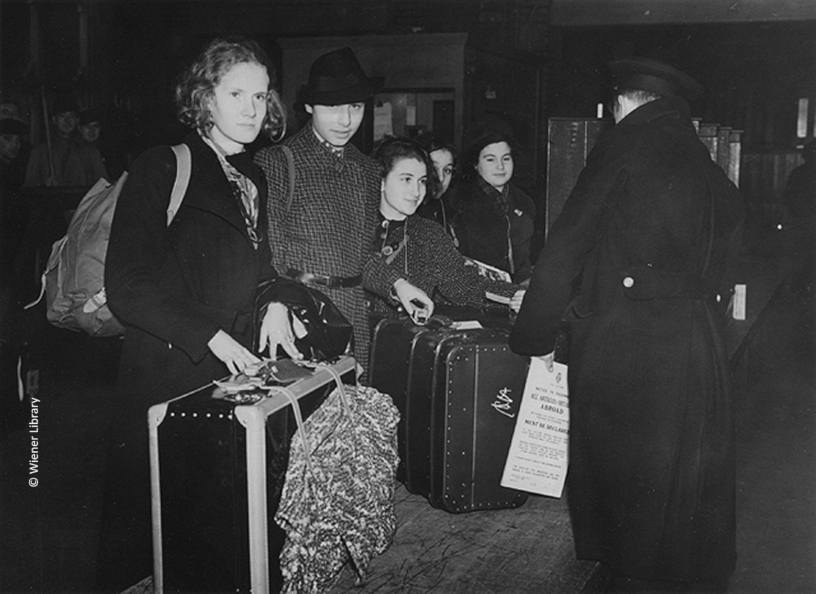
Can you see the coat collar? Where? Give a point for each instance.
(324, 155)
(647, 113)
(209, 188)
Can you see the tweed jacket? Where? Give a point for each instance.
(430, 261)
(631, 269)
(326, 228)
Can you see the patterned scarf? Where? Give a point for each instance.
(244, 191)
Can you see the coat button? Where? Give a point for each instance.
(628, 282)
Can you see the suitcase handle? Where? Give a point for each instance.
(304, 438)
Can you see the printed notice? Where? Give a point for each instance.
(537, 460)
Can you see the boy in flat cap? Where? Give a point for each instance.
(321, 234)
(634, 272)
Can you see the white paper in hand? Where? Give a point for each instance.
(538, 456)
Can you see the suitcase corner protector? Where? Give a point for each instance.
(156, 414)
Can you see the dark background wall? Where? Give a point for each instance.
(755, 57)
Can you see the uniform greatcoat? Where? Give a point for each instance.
(174, 288)
(632, 267)
(326, 228)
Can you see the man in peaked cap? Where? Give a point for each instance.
(321, 233)
(635, 274)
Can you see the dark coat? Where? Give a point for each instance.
(632, 266)
(327, 227)
(490, 232)
(174, 288)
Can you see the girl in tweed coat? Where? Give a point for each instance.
(319, 227)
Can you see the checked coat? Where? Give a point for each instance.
(429, 260)
(327, 227)
(632, 267)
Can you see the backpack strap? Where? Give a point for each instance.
(183, 169)
(290, 160)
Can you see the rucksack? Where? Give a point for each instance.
(74, 277)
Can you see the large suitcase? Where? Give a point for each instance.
(217, 471)
(458, 392)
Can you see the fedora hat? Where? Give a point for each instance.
(336, 78)
(643, 74)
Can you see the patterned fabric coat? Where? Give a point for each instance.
(631, 267)
(491, 232)
(337, 502)
(327, 227)
(430, 261)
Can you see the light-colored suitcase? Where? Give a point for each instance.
(217, 468)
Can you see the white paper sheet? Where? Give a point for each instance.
(538, 457)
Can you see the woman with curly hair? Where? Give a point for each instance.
(185, 292)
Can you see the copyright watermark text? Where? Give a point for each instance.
(34, 432)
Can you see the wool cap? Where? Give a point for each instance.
(644, 74)
(64, 104)
(13, 127)
(89, 116)
(336, 78)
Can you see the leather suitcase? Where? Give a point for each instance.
(458, 392)
(217, 471)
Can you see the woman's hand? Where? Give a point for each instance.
(276, 330)
(231, 352)
(516, 299)
(413, 299)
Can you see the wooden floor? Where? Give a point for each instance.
(527, 549)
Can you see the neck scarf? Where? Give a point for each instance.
(501, 198)
(243, 190)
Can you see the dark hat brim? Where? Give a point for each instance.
(90, 115)
(655, 77)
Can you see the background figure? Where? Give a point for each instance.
(186, 292)
(90, 125)
(417, 248)
(69, 160)
(436, 205)
(631, 271)
(13, 211)
(9, 110)
(12, 159)
(494, 222)
(320, 234)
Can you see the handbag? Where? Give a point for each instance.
(328, 332)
